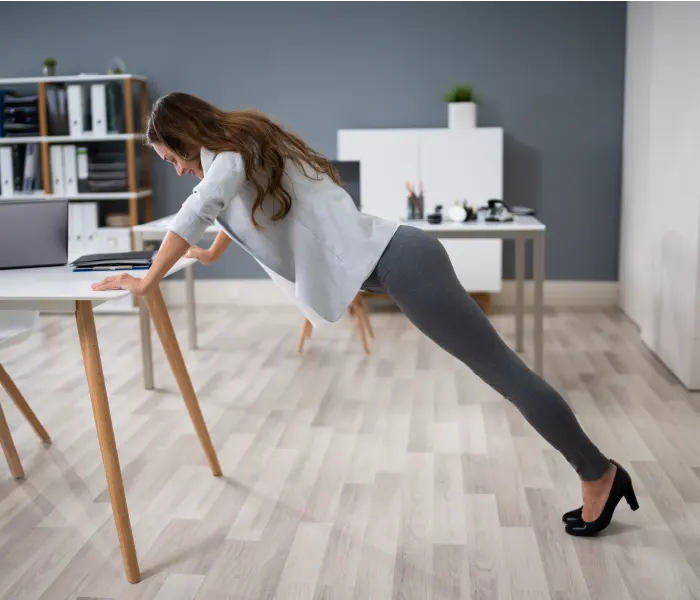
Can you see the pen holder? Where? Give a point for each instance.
(415, 207)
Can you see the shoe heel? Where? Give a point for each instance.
(631, 498)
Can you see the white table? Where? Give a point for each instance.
(59, 289)
(521, 229)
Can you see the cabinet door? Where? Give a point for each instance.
(461, 165)
(466, 165)
(388, 161)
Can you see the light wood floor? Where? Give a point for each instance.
(398, 476)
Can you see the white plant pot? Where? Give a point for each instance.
(461, 115)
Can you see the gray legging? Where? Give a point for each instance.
(416, 272)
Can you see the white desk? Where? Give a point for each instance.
(59, 289)
(521, 230)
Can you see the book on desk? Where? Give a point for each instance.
(114, 261)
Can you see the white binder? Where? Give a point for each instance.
(58, 183)
(98, 104)
(75, 110)
(7, 173)
(76, 244)
(70, 170)
(89, 223)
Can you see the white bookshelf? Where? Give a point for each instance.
(134, 87)
(71, 139)
(86, 237)
(94, 196)
(81, 78)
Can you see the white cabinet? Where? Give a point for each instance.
(389, 159)
(660, 216)
(451, 165)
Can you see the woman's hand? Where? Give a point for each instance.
(205, 256)
(123, 281)
(209, 255)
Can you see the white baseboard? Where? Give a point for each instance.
(263, 292)
(563, 293)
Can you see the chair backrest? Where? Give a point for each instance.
(16, 324)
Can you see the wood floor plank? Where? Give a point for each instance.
(397, 475)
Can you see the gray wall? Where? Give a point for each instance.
(551, 74)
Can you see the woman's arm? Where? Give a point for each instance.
(214, 252)
(221, 184)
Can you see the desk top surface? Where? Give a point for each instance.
(519, 224)
(62, 284)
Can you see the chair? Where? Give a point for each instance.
(15, 326)
(349, 171)
(364, 327)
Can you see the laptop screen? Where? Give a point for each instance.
(33, 233)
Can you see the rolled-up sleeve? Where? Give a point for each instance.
(221, 185)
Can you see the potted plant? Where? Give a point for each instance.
(49, 69)
(461, 106)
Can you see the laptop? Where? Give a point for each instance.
(33, 233)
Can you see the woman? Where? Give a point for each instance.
(283, 203)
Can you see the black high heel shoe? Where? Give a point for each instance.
(573, 516)
(621, 488)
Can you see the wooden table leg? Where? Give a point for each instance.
(21, 404)
(8, 447)
(105, 435)
(164, 327)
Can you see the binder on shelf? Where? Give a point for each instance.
(58, 181)
(89, 221)
(31, 168)
(70, 169)
(83, 169)
(7, 176)
(75, 110)
(98, 105)
(76, 245)
(57, 111)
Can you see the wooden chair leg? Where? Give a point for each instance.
(164, 327)
(8, 448)
(21, 404)
(361, 325)
(105, 435)
(365, 316)
(305, 333)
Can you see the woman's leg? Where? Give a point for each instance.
(416, 272)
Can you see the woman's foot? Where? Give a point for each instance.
(596, 493)
(600, 498)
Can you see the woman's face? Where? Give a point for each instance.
(183, 167)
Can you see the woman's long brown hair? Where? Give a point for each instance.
(186, 124)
